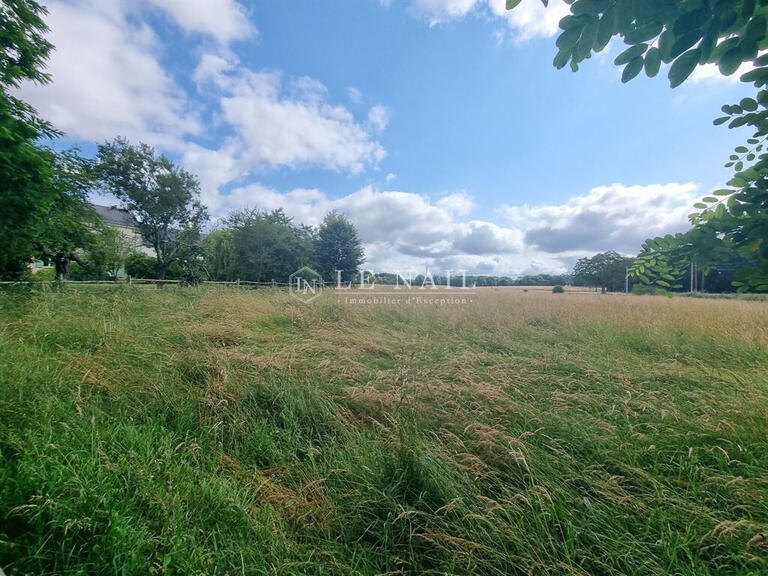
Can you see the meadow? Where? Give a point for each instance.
(215, 431)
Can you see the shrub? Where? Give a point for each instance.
(558, 289)
(642, 290)
(141, 266)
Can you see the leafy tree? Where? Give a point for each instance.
(25, 166)
(606, 270)
(662, 262)
(686, 34)
(164, 198)
(107, 255)
(267, 246)
(337, 247)
(221, 255)
(70, 223)
(139, 265)
(666, 262)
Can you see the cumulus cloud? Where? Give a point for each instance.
(458, 203)
(409, 232)
(530, 19)
(615, 217)
(107, 79)
(225, 20)
(378, 118)
(442, 10)
(412, 232)
(286, 123)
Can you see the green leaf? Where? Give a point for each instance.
(512, 4)
(722, 120)
(630, 54)
(561, 59)
(730, 61)
(652, 62)
(632, 69)
(606, 29)
(683, 67)
(568, 39)
(749, 104)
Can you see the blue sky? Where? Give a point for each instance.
(439, 126)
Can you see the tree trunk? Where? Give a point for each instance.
(161, 267)
(62, 267)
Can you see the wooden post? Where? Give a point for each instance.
(238, 283)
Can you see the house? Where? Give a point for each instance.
(126, 223)
(120, 219)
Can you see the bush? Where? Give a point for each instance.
(42, 275)
(141, 266)
(558, 289)
(643, 290)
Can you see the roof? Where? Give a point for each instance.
(115, 216)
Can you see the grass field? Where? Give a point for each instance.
(204, 431)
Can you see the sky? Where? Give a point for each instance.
(439, 127)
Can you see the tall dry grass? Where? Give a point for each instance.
(217, 431)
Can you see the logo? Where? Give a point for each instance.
(305, 284)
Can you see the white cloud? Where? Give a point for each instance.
(355, 96)
(615, 217)
(378, 118)
(409, 232)
(458, 203)
(442, 10)
(390, 177)
(530, 19)
(291, 124)
(711, 73)
(107, 79)
(225, 20)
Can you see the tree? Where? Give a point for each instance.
(259, 247)
(108, 254)
(685, 34)
(221, 255)
(606, 270)
(667, 262)
(70, 224)
(164, 198)
(337, 247)
(25, 166)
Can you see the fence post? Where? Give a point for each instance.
(130, 280)
(238, 283)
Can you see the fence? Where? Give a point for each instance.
(146, 281)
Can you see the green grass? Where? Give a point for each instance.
(204, 431)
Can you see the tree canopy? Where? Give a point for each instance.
(606, 270)
(338, 248)
(26, 168)
(164, 198)
(684, 34)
